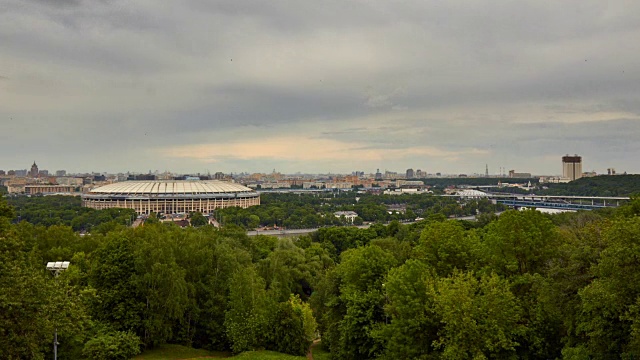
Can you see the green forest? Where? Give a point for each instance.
(310, 211)
(618, 185)
(288, 210)
(522, 285)
(67, 210)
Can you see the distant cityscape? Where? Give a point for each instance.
(40, 181)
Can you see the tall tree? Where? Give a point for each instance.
(520, 242)
(447, 246)
(609, 316)
(411, 322)
(113, 275)
(32, 302)
(480, 317)
(247, 317)
(362, 271)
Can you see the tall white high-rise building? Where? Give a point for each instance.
(572, 167)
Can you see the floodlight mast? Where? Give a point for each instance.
(56, 268)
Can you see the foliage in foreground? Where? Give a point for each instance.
(113, 346)
(524, 285)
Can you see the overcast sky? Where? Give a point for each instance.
(319, 86)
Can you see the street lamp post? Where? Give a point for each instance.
(56, 268)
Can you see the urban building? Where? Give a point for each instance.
(515, 175)
(313, 185)
(48, 189)
(572, 167)
(61, 173)
(611, 171)
(271, 185)
(348, 215)
(19, 173)
(390, 174)
(407, 190)
(471, 194)
(171, 196)
(142, 177)
(553, 180)
(15, 188)
(338, 185)
(410, 174)
(418, 184)
(64, 180)
(34, 170)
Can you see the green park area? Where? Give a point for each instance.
(178, 352)
(520, 285)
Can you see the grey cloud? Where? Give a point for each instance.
(509, 78)
(294, 17)
(235, 106)
(57, 3)
(343, 132)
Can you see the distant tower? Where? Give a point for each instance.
(410, 174)
(34, 170)
(572, 167)
(486, 170)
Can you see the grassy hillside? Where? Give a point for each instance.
(175, 352)
(266, 355)
(171, 352)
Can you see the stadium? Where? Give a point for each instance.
(171, 196)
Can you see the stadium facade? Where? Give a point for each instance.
(171, 196)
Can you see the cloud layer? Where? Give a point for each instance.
(331, 86)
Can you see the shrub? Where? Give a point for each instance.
(113, 346)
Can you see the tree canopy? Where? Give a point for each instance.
(521, 285)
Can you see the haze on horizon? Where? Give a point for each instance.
(319, 86)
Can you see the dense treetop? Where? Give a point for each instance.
(618, 185)
(521, 285)
(316, 210)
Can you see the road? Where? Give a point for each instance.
(287, 232)
(291, 232)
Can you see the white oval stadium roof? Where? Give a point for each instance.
(160, 187)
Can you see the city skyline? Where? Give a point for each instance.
(386, 172)
(319, 87)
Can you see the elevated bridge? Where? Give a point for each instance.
(559, 202)
(547, 201)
